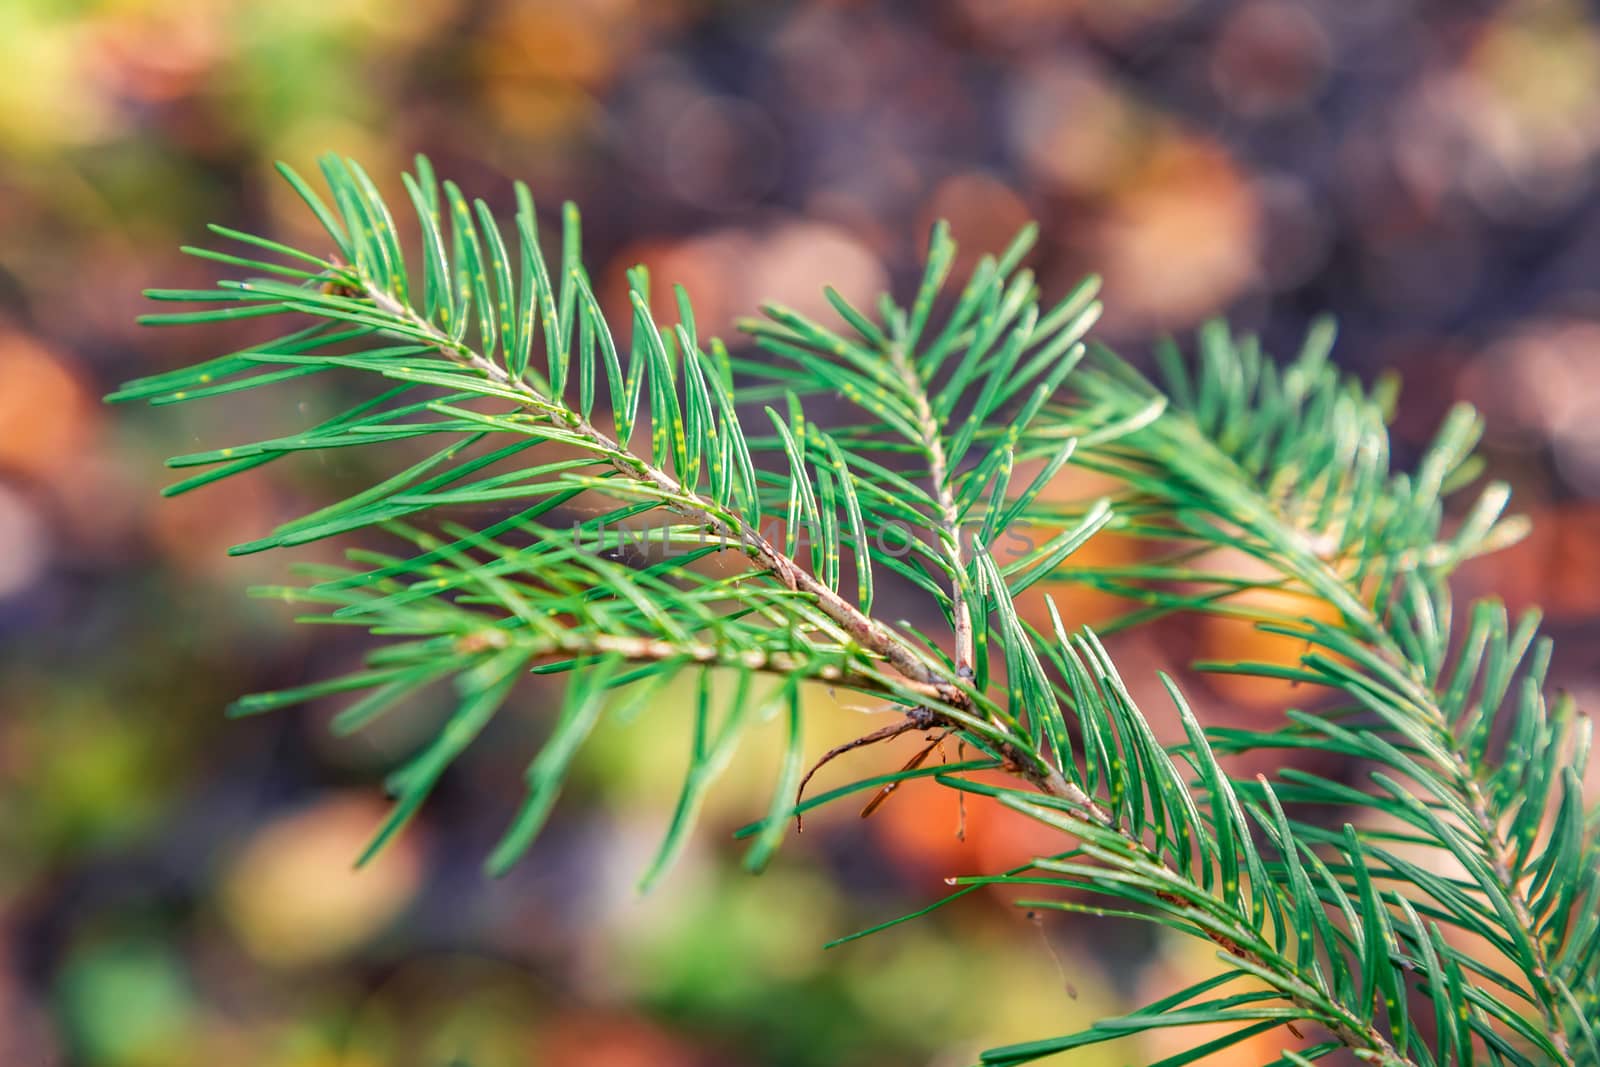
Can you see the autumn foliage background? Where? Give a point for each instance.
(175, 889)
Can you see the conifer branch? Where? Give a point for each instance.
(872, 635)
(1391, 597)
(1288, 465)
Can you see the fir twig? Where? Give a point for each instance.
(1285, 464)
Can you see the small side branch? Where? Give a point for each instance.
(949, 520)
(918, 718)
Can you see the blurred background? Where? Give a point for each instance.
(176, 889)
